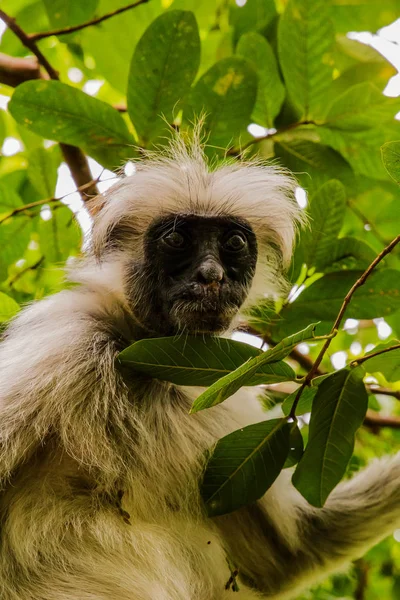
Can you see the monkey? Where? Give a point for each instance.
(100, 468)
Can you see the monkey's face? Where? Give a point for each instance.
(199, 270)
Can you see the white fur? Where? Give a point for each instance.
(99, 474)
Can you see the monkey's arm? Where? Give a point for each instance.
(57, 378)
(281, 544)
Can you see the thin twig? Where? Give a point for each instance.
(64, 30)
(73, 156)
(308, 378)
(18, 275)
(359, 361)
(37, 203)
(258, 140)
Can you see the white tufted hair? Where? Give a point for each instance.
(180, 180)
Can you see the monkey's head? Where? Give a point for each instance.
(192, 244)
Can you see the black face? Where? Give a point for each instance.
(197, 272)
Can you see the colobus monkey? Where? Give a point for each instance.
(99, 471)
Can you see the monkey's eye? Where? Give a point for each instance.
(235, 242)
(174, 240)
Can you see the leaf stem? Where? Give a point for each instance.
(359, 361)
(258, 140)
(338, 320)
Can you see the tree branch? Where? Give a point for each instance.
(65, 30)
(359, 361)
(37, 203)
(375, 421)
(14, 71)
(310, 375)
(73, 156)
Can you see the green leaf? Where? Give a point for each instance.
(14, 238)
(42, 170)
(9, 199)
(305, 39)
(198, 361)
(379, 296)
(254, 15)
(361, 147)
(271, 92)
(339, 408)
(8, 307)
(387, 363)
(244, 464)
(313, 163)
(66, 13)
(60, 236)
(113, 41)
(228, 385)
(326, 209)
(349, 253)
(162, 70)
(225, 94)
(363, 15)
(305, 403)
(391, 159)
(60, 112)
(361, 107)
(296, 447)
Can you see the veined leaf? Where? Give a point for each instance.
(361, 107)
(305, 39)
(387, 363)
(379, 296)
(198, 361)
(225, 94)
(64, 13)
(339, 408)
(8, 307)
(162, 70)
(254, 15)
(349, 253)
(305, 403)
(14, 238)
(391, 159)
(244, 464)
(270, 92)
(327, 209)
(59, 236)
(228, 385)
(60, 112)
(42, 169)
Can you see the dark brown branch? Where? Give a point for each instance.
(28, 43)
(14, 71)
(376, 389)
(375, 421)
(65, 30)
(73, 156)
(311, 374)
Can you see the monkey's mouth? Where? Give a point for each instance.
(201, 316)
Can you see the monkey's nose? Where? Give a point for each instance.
(210, 271)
